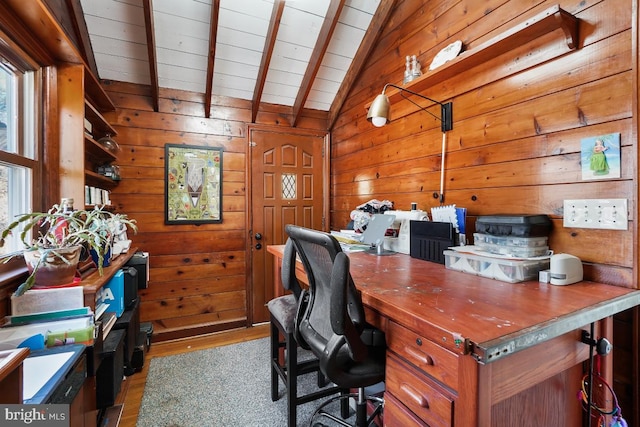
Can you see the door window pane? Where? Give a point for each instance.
(288, 186)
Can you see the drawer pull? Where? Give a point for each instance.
(424, 358)
(415, 395)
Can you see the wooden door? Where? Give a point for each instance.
(287, 186)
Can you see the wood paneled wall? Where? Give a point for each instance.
(198, 273)
(518, 122)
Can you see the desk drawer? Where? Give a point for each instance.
(436, 361)
(413, 389)
(397, 415)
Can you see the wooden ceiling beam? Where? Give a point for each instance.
(151, 52)
(213, 34)
(269, 43)
(324, 38)
(369, 41)
(76, 14)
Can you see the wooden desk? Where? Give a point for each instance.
(469, 351)
(92, 284)
(11, 371)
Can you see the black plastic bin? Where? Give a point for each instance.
(140, 261)
(129, 322)
(111, 370)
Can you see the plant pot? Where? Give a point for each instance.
(56, 266)
(106, 260)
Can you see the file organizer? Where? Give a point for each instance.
(430, 239)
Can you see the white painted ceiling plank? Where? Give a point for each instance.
(124, 49)
(190, 9)
(240, 39)
(117, 33)
(117, 30)
(114, 10)
(257, 8)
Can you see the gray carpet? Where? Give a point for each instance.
(224, 386)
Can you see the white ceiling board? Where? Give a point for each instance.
(338, 44)
(130, 71)
(356, 16)
(117, 33)
(117, 11)
(182, 43)
(118, 40)
(119, 48)
(196, 10)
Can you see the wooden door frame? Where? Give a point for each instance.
(326, 178)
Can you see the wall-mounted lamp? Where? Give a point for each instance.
(380, 108)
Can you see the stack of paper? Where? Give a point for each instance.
(42, 300)
(47, 328)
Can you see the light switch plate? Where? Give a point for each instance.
(604, 214)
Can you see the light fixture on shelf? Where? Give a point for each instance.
(380, 109)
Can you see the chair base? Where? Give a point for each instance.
(361, 410)
(289, 370)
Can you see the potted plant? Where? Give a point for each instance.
(53, 241)
(110, 226)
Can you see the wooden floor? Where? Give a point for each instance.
(133, 386)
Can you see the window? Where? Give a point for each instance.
(19, 164)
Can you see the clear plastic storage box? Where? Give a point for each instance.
(505, 270)
(519, 247)
(522, 242)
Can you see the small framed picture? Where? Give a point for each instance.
(193, 184)
(600, 157)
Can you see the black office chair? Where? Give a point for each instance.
(282, 312)
(351, 352)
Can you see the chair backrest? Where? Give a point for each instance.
(288, 274)
(334, 316)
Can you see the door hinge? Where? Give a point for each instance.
(323, 152)
(252, 144)
(323, 221)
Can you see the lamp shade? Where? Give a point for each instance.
(378, 113)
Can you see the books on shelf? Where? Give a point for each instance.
(48, 332)
(108, 320)
(46, 316)
(39, 329)
(96, 196)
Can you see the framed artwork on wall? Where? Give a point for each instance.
(600, 157)
(193, 184)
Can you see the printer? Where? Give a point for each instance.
(401, 241)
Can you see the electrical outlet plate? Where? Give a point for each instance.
(604, 214)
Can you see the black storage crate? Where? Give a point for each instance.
(514, 225)
(139, 353)
(140, 261)
(111, 370)
(147, 328)
(129, 322)
(130, 285)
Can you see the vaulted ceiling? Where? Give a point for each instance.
(294, 53)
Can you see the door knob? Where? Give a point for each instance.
(258, 245)
(258, 236)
